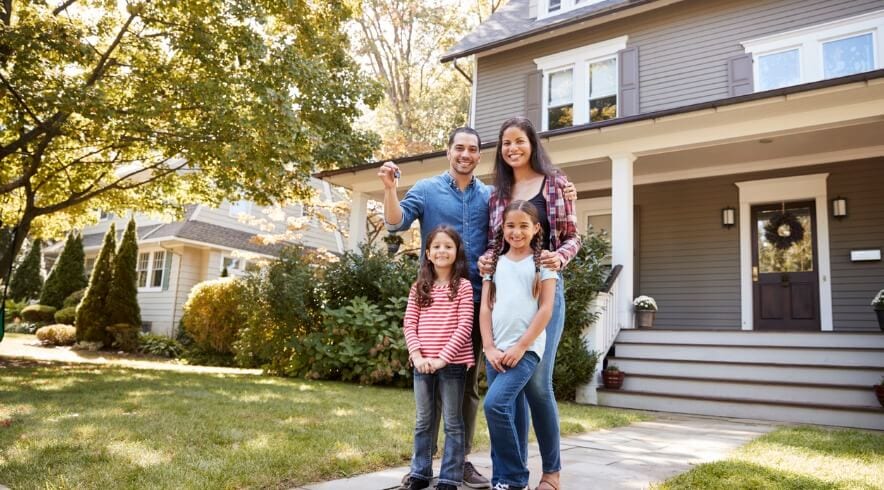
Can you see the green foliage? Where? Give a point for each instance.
(583, 277)
(214, 313)
(57, 335)
(358, 342)
(284, 305)
(13, 309)
(38, 313)
(67, 315)
(22, 327)
(92, 314)
(158, 345)
(125, 336)
(67, 275)
(73, 300)
(122, 299)
(27, 279)
(369, 274)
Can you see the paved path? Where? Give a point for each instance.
(630, 457)
(27, 347)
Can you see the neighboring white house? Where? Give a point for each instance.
(175, 256)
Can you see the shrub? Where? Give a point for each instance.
(122, 298)
(285, 305)
(38, 313)
(125, 336)
(213, 313)
(27, 279)
(57, 335)
(92, 311)
(13, 309)
(358, 342)
(370, 275)
(22, 327)
(73, 299)
(66, 315)
(583, 277)
(67, 275)
(157, 345)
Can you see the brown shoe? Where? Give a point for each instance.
(472, 478)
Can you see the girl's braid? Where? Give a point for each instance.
(497, 247)
(537, 245)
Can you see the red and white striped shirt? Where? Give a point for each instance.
(443, 329)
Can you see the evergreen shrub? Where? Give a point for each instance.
(122, 298)
(67, 275)
(38, 314)
(92, 314)
(73, 300)
(125, 336)
(27, 279)
(57, 335)
(214, 313)
(67, 315)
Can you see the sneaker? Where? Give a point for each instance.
(445, 486)
(472, 478)
(412, 483)
(506, 486)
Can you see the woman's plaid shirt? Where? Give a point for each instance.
(563, 237)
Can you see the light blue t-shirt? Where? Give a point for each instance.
(514, 305)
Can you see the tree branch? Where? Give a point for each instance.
(64, 6)
(102, 63)
(19, 99)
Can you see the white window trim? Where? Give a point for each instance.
(810, 40)
(566, 6)
(150, 269)
(232, 211)
(579, 60)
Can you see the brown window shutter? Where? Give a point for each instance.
(739, 75)
(533, 94)
(627, 97)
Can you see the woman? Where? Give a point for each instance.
(523, 171)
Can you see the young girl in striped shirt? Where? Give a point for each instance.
(438, 326)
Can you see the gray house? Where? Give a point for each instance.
(735, 151)
(175, 256)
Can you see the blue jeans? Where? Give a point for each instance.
(509, 446)
(447, 383)
(539, 395)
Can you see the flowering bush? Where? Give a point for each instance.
(644, 303)
(878, 302)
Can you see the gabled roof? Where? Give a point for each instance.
(197, 231)
(513, 22)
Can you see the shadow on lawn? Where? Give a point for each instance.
(738, 475)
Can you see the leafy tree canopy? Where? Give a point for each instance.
(151, 105)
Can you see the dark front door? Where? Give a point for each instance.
(784, 270)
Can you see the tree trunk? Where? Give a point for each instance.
(19, 232)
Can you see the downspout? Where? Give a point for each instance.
(175, 294)
(458, 68)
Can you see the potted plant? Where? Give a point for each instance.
(879, 391)
(878, 305)
(612, 377)
(645, 310)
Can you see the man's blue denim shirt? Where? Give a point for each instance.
(438, 201)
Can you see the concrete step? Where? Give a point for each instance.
(740, 337)
(840, 356)
(857, 417)
(819, 394)
(777, 373)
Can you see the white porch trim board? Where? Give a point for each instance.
(785, 189)
(358, 216)
(622, 201)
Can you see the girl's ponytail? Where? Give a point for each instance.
(537, 246)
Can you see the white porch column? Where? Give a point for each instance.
(358, 215)
(622, 232)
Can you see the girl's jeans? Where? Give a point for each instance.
(539, 392)
(448, 383)
(509, 439)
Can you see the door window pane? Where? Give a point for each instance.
(779, 70)
(798, 257)
(848, 56)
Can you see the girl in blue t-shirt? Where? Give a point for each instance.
(517, 303)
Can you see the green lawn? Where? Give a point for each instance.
(800, 458)
(86, 426)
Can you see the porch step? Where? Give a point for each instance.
(831, 356)
(857, 417)
(818, 394)
(873, 340)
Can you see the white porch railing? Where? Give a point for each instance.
(600, 336)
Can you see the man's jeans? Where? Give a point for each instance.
(447, 384)
(539, 392)
(509, 447)
(471, 391)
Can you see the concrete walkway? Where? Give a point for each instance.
(630, 457)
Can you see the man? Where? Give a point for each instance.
(459, 199)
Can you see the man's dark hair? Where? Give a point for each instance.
(467, 130)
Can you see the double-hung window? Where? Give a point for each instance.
(580, 85)
(150, 269)
(831, 50)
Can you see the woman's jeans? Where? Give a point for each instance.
(539, 392)
(447, 383)
(509, 439)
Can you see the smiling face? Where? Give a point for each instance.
(515, 147)
(518, 229)
(442, 251)
(463, 154)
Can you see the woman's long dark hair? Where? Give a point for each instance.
(426, 276)
(540, 162)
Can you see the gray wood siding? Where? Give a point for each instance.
(684, 49)
(690, 264)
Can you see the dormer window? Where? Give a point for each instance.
(549, 8)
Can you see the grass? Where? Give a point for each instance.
(805, 458)
(87, 426)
